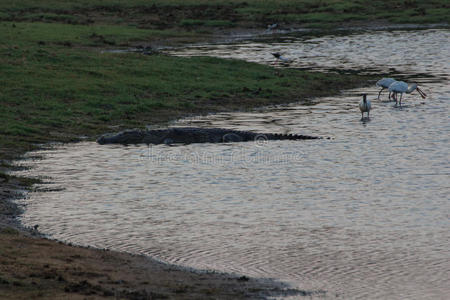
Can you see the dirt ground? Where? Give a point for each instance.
(32, 266)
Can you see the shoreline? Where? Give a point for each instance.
(242, 33)
(84, 271)
(144, 277)
(184, 282)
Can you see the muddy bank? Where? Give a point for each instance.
(36, 267)
(33, 266)
(10, 189)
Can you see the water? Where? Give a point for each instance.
(364, 215)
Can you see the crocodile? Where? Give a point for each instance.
(188, 135)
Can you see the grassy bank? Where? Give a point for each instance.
(57, 85)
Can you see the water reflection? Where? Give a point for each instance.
(363, 215)
(408, 52)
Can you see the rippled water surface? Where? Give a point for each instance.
(363, 215)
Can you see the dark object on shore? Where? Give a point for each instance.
(271, 27)
(146, 50)
(276, 54)
(283, 59)
(188, 135)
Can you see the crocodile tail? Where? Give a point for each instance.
(294, 137)
(308, 137)
(281, 136)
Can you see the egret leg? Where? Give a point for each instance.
(401, 99)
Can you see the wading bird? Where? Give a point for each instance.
(400, 87)
(364, 106)
(271, 27)
(384, 83)
(278, 55)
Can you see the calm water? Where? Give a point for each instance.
(364, 215)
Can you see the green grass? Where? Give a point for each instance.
(323, 18)
(54, 88)
(56, 83)
(209, 23)
(163, 14)
(81, 35)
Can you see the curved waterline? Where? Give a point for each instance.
(364, 215)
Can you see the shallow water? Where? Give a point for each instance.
(363, 215)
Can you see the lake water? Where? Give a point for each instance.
(364, 215)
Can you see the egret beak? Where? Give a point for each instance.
(422, 94)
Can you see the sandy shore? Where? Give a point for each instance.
(32, 266)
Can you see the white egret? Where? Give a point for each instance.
(364, 106)
(384, 83)
(400, 87)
